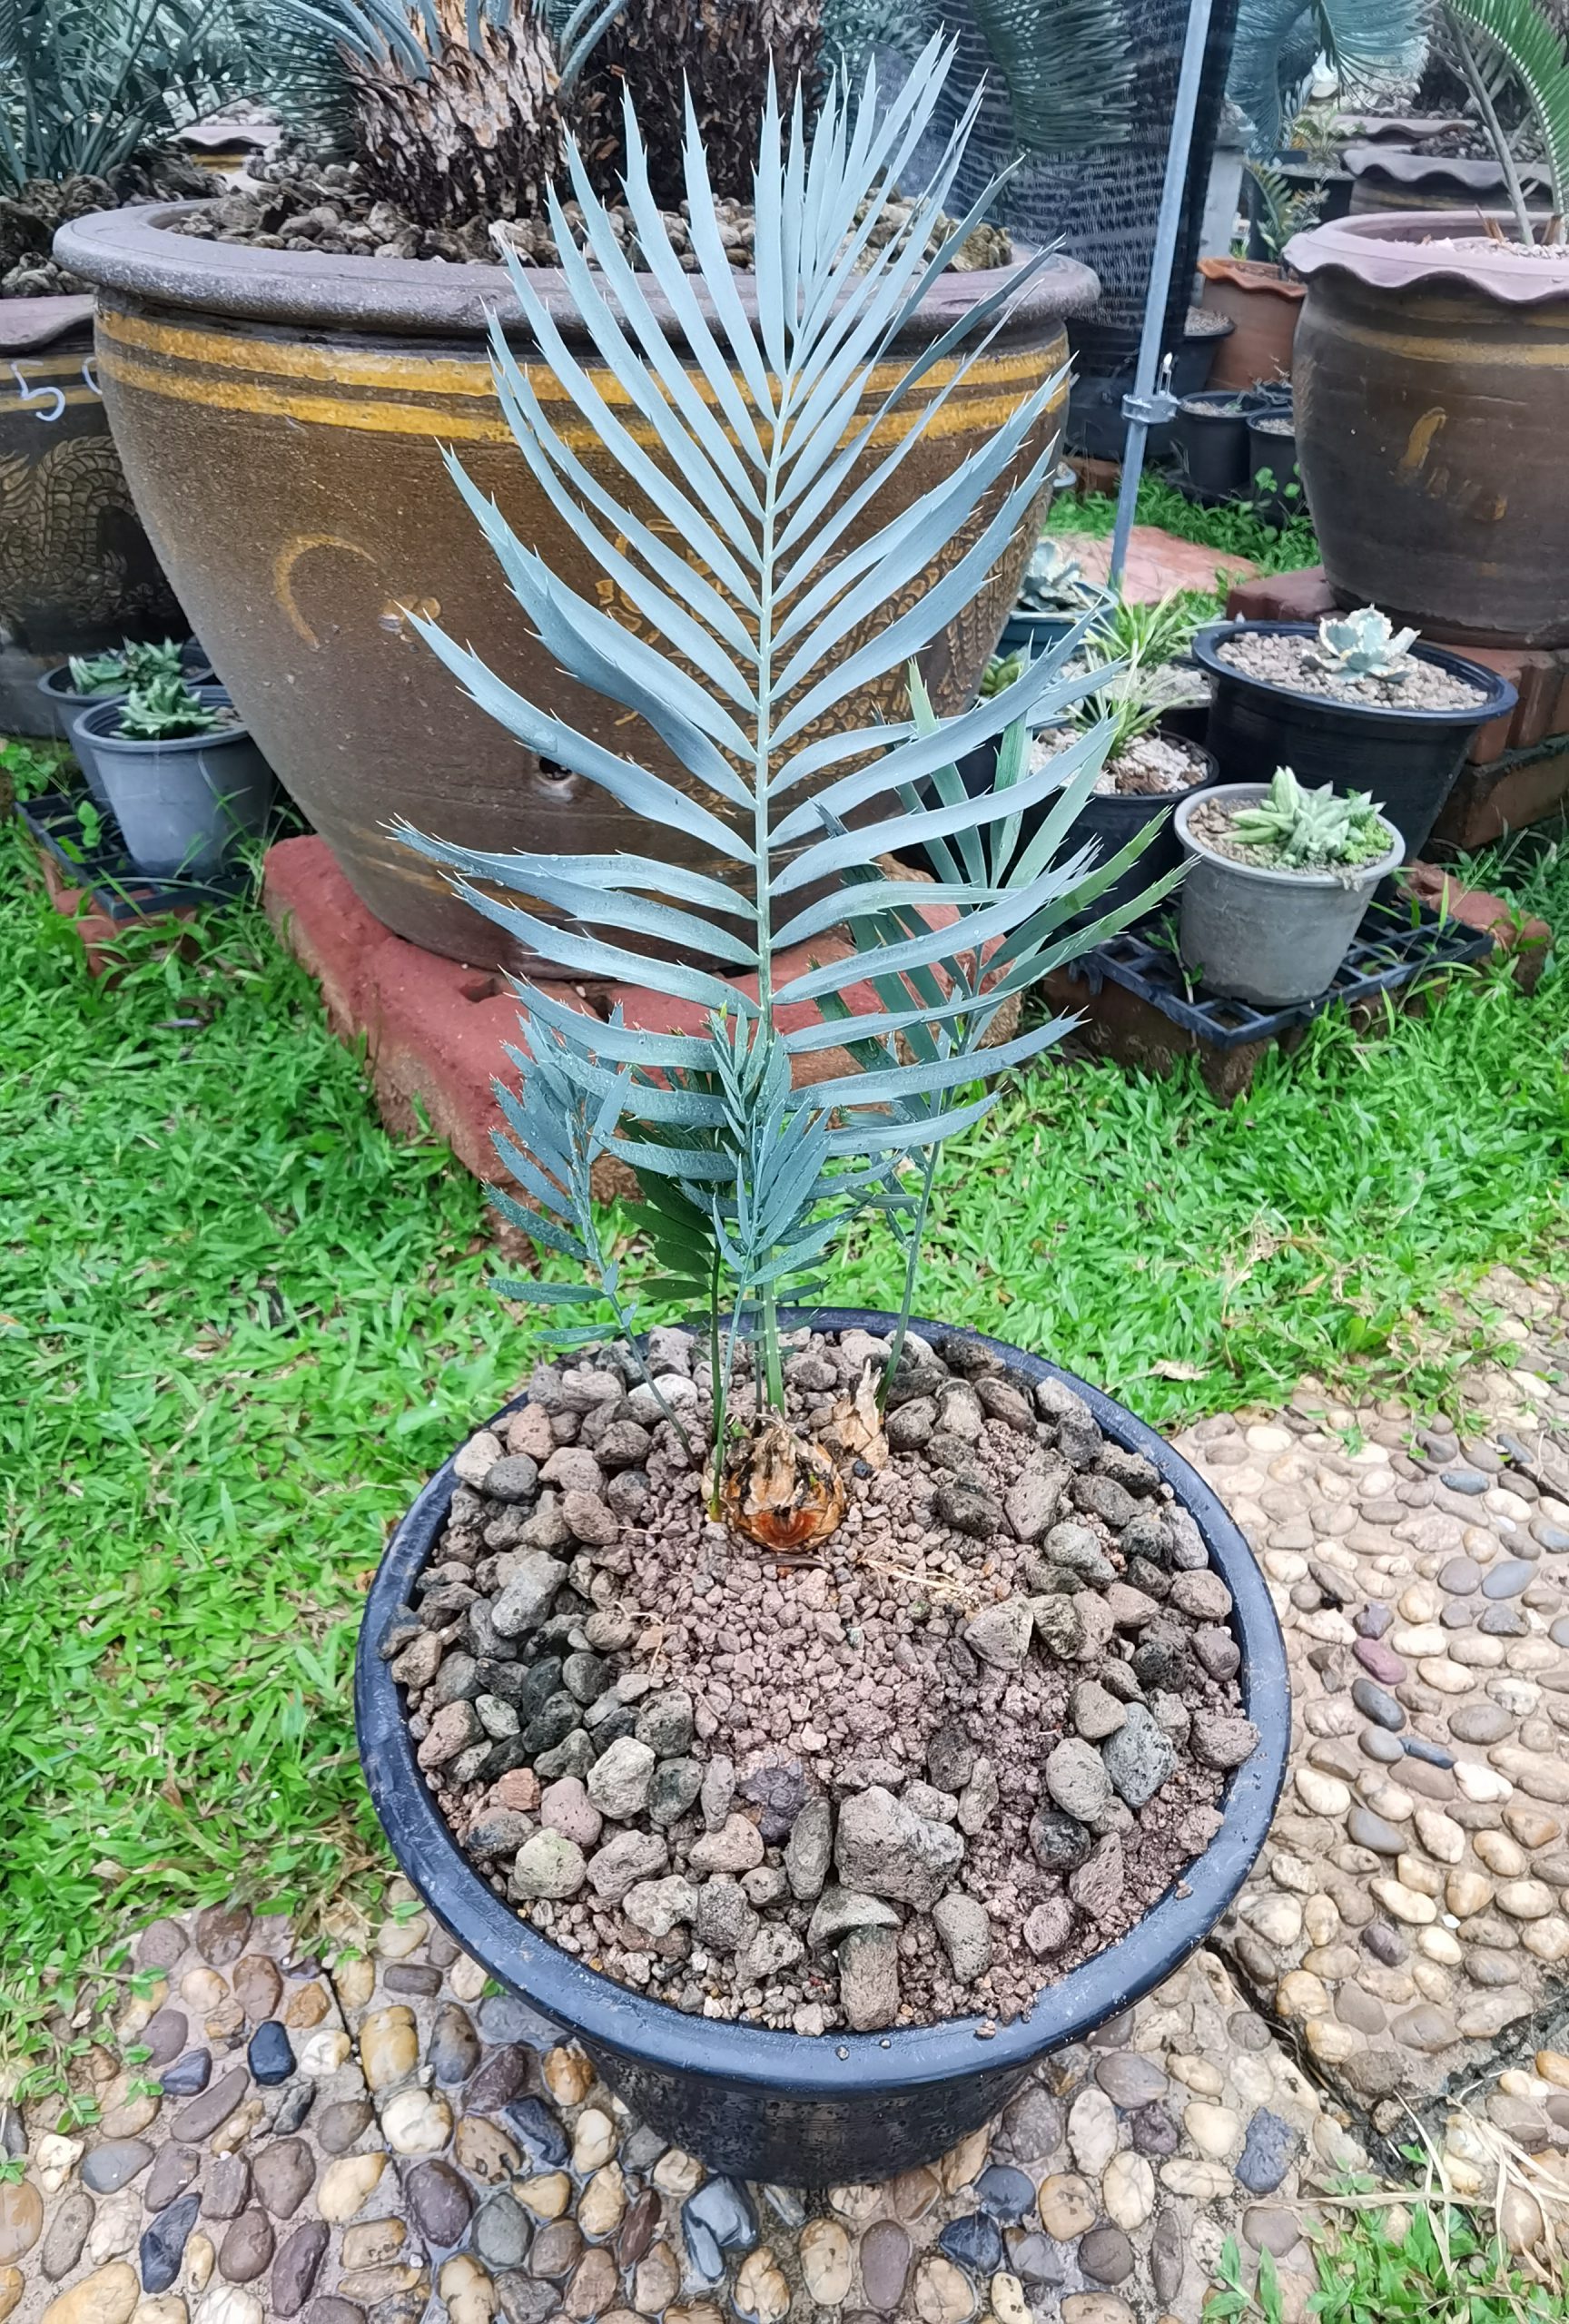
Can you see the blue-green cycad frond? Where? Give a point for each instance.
(750, 413)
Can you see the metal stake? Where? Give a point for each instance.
(1152, 405)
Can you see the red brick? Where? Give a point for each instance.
(434, 1030)
(1527, 939)
(1302, 596)
(99, 933)
(1485, 803)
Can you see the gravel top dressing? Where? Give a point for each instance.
(919, 1776)
(1289, 662)
(1211, 824)
(1153, 766)
(326, 207)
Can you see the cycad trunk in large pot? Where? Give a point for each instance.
(282, 416)
(1432, 380)
(76, 570)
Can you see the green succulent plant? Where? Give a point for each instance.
(1297, 828)
(124, 666)
(757, 642)
(1129, 652)
(1055, 582)
(162, 708)
(1365, 645)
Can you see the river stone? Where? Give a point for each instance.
(440, 2202)
(173, 2168)
(67, 2234)
(498, 2081)
(718, 2219)
(975, 2242)
(502, 2232)
(884, 2265)
(116, 2163)
(1106, 2255)
(226, 2189)
(269, 2054)
(283, 2174)
(1483, 1722)
(1033, 2124)
(187, 2076)
(1168, 2246)
(453, 2051)
(338, 2125)
(539, 2133)
(246, 2250)
(1130, 2079)
(1267, 2152)
(165, 2034)
(221, 1932)
(163, 2245)
(295, 2270)
(1374, 1702)
(1367, 1830)
(1509, 1578)
(197, 2121)
(1004, 2193)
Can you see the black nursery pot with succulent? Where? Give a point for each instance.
(819, 1714)
(1352, 703)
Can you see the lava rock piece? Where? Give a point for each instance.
(883, 1849)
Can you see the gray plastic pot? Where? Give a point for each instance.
(181, 805)
(1272, 936)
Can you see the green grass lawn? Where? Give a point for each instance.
(239, 1325)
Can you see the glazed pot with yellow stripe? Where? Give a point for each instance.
(1432, 407)
(281, 417)
(77, 572)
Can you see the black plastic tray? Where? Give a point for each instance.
(1396, 943)
(106, 870)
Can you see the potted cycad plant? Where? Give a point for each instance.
(184, 780)
(779, 1868)
(1351, 701)
(317, 443)
(1278, 879)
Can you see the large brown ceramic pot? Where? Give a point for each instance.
(76, 570)
(281, 417)
(1431, 398)
(1387, 177)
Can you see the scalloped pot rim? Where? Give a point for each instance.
(1395, 250)
(133, 252)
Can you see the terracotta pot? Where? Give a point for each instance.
(281, 417)
(1264, 305)
(1432, 397)
(76, 570)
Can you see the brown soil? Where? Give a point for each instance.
(301, 204)
(865, 1735)
(1212, 822)
(1287, 661)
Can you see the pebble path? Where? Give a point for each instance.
(373, 2137)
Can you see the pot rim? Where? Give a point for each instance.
(1397, 249)
(833, 2065)
(1406, 167)
(133, 251)
(1367, 875)
(88, 726)
(1501, 695)
(1252, 274)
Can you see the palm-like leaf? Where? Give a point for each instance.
(84, 83)
(1060, 74)
(761, 639)
(1277, 41)
(1517, 42)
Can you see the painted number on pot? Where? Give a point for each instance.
(54, 398)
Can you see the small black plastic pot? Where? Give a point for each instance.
(1210, 441)
(789, 2108)
(1407, 759)
(1272, 469)
(1026, 631)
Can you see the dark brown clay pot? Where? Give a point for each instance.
(1432, 400)
(281, 417)
(1264, 304)
(76, 570)
(1385, 177)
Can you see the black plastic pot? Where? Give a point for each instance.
(787, 2107)
(1210, 442)
(1103, 369)
(1272, 469)
(1407, 759)
(1025, 631)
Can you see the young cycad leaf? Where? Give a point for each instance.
(803, 582)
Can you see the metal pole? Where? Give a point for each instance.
(1149, 406)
